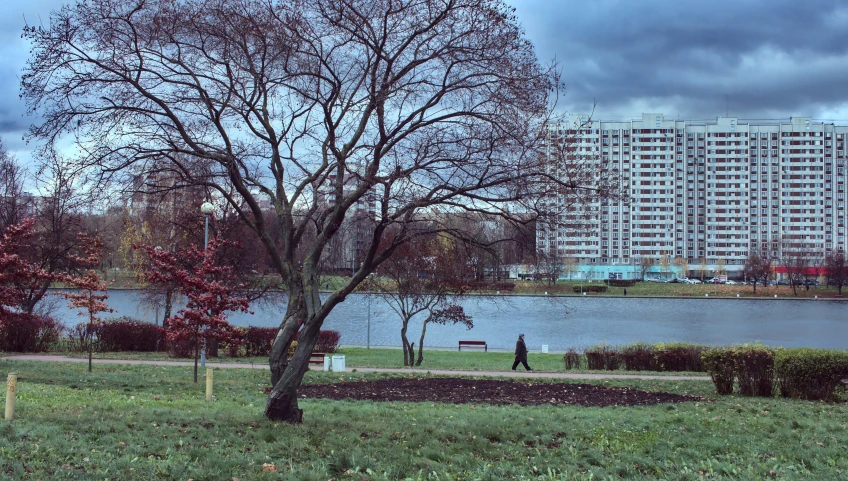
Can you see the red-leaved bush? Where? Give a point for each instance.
(258, 340)
(211, 290)
(328, 341)
(127, 334)
(21, 332)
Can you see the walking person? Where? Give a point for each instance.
(520, 353)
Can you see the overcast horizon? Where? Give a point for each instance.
(685, 59)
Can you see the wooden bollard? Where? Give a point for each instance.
(11, 387)
(209, 384)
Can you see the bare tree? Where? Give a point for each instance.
(14, 205)
(836, 268)
(57, 210)
(795, 258)
(758, 267)
(549, 265)
(645, 265)
(426, 276)
(433, 107)
(683, 264)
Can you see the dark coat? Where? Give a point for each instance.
(520, 350)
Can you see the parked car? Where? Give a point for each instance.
(731, 282)
(693, 281)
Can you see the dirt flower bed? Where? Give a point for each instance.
(488, 391)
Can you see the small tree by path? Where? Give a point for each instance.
(758, 267)
(424, 277)
(837, 269)
(91, 299)
(211, 291)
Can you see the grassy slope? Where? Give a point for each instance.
(145, 422)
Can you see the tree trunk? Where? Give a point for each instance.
(278, 357)
(421, 344)
(755, 287)
(90, 343)
(282, 402)
(169, 303)
(407, 358)
(196, 351)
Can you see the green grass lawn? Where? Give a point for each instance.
(393, 358)
(150, 422)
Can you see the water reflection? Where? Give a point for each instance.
(569, 322)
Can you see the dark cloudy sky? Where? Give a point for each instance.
(692, 58)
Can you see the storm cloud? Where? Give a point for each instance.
(696, 59)
(693, 59)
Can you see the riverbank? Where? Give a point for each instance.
(577, 289)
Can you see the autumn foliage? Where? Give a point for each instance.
(210, 289)
(15, 271)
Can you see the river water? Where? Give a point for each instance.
(566, 322)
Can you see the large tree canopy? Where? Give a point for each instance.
(424, 109)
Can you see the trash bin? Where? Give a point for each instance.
(545, 348)
(328, 362)
(338, 363)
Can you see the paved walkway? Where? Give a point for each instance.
(236, 365)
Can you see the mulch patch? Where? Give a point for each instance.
(489, 391)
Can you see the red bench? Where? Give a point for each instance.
(474, 344)
(315, 358)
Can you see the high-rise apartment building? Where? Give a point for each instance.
(707, 193)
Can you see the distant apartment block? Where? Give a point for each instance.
(708, 193)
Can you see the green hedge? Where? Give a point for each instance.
(590, 288)
(810, 373)
(719, 363)
(802, 373)
(754, 368)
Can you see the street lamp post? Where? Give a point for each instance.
(368, 339)
(206, 208)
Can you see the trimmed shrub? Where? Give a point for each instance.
(677, 357)
(754, 368)
(234, 349)
(718, 362)
(76, 338)
(182, 347)
(571, 359)
(602, 357)
(127, 334)
(638, 357)
(258, 340)
(20, 332)
(621, 282)
(811, 374)
(328, 341)
(590, 288)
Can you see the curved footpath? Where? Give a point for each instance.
(235, 365)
